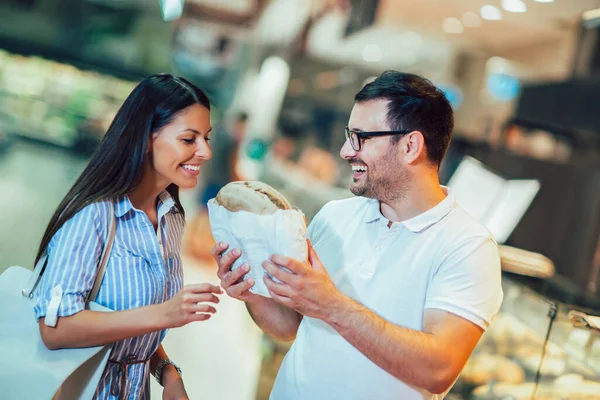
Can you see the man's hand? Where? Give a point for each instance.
(278, 321)
(232, 281)
(306, 288)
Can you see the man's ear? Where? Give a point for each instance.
(413, 147)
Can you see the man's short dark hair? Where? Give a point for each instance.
(414, 103)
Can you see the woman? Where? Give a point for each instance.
(156, 144)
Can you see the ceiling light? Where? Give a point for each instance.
(452, 25)
(171, 9)
(471, 20)
(591, 18)
(590, 14)
(497, 65)
(515, 6)
(372, 53)
(491, 13)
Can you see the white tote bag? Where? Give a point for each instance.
(32, 371)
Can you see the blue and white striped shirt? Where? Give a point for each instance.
(144, 268)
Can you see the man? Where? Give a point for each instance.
(401, 282)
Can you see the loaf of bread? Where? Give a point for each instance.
(251, 196)
(258, 220)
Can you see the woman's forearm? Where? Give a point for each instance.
(94, 328)
(169, 373)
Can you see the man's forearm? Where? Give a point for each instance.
(414, 357)
(274, 319)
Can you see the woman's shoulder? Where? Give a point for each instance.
(93, 217)
(97, 211)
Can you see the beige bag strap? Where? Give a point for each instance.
(110, 238)
(41, 265)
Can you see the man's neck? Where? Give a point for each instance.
(418, 199)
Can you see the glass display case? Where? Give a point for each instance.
(513, 353)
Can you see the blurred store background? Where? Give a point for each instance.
(522, 75)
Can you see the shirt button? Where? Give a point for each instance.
(378, 248)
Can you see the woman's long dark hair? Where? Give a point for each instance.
(117, 165)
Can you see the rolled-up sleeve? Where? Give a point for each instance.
(73, 255)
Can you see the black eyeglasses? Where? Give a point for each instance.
(357, 138)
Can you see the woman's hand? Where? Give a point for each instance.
(173, 385)
(189, 304)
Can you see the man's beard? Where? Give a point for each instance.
(387, 182)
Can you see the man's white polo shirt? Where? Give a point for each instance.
(440, 259)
